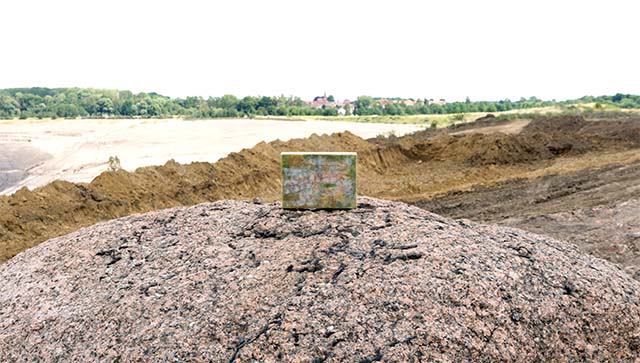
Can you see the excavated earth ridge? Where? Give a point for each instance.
(238, 281)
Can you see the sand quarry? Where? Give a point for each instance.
(35, 153)
(401, 278)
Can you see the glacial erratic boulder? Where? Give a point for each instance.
(236, 281)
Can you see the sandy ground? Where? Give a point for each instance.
(512, 127)
(15, 161)
(79, 149)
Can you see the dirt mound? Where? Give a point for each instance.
(478, 149)
(627, 131)
(599, 210)
(555, 124)
(562, 134)
(236, 281)
(542, 139)
(486, 119)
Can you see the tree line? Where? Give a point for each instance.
(619, 99)
(82, 102)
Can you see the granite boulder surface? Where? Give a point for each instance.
(236, 281)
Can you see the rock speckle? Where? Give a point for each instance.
(234, 281)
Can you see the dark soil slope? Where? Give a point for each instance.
(599, 210)
(236, 281)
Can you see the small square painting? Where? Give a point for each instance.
(323, 180)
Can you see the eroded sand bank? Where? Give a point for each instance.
(79, 150)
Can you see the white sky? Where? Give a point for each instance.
(486, 50)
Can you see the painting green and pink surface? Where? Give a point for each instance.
(319, 180)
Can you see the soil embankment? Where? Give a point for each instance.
(418, 168)
(80, 149)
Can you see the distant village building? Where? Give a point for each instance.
(321, 101)
(384, 102)
(440, 102)
(345, 107)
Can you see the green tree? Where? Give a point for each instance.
(329, 111)
(126, 108)
(267, 102)
(104, 106)
(247, 106)
(66, 110)
(391, 109)
(9, 107)
(228, 102)
(628, 103)
(28, 100)
(363, 105)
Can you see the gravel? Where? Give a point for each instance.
(239, 281)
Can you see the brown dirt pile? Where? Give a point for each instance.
(236, 281)
(544, 138)
(408, 168)
(598, 210)
(478, 149)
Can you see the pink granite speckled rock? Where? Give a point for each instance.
(235, 281)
